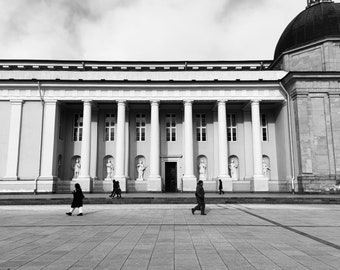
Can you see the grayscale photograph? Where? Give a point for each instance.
(169, 134)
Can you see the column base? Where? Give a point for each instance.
(259, 183)
(227, 183)
(45, 184)
(189, 183)
(85, 182)
(154, 183)
(122, 182)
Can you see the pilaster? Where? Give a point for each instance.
(14, 140)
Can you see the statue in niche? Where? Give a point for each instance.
(233, 170)
(109, 169)
(140, 170)
(202, 168)
(265, 168)
(76, 168)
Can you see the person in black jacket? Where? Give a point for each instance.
(220, 186)
(114, 186)
(77, 202)
(200, 198)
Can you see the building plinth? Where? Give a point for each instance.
(259, 184)
(189, 183)
(154, 183)
(227, 184)
(85, 183)
(122, 182)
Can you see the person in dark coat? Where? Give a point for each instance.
(118, 190)
(200, 198)
(77, 202)
(220, 186)
(114, 186)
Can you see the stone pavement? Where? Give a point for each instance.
(168, 236)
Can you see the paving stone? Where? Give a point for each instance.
(170, 237)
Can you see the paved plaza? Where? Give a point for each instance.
(168, 236)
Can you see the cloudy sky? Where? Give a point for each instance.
(144, 29)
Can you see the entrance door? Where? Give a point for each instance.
(170, 176)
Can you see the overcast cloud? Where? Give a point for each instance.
(143, 29)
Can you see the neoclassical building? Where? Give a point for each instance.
(259, 126)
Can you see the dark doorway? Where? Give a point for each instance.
(170, 176)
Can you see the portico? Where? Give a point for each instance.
(169, 127)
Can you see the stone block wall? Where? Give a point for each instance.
(317, 112)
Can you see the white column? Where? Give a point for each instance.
(120, 145)
(189, 179)
(154, 179)
(14, 141)
(127, 142)
(48, 141)
(223, 146)
(94, 143)
(84, 177)
(259, 183)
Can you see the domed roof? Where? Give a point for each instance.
(316, 22)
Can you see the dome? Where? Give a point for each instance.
(316, 22)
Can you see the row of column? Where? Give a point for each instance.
(154, 180)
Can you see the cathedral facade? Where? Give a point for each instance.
(259, 126)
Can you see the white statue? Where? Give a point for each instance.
(76, 168)
(233, 170)
(109, 169)
(265, 169)
(140, 169)
(202, 170)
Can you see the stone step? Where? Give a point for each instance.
(189, 199)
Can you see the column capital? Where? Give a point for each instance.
(154, 102)
(255, 101)
(87, 101)
(222, 101)
(16, 101)
(188, 101)
(121, 102)
(51, 101)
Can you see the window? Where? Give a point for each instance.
(201, 128)
(140, 127)
(78, 127)
(231, 128)
(170, 127)
(264, 127)
(110, 122)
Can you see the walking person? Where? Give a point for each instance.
(77, 202)
(118, 190)
(220, 186)
(113, 193)
(200, 198)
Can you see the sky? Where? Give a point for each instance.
(144, 30)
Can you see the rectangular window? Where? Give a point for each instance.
(110, 123)
(264, 127)
(78, 127)
(170, 126)
(231, 128)
(201, 128)
(140, 127)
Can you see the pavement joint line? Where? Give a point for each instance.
(320, 240)
(134, 246)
